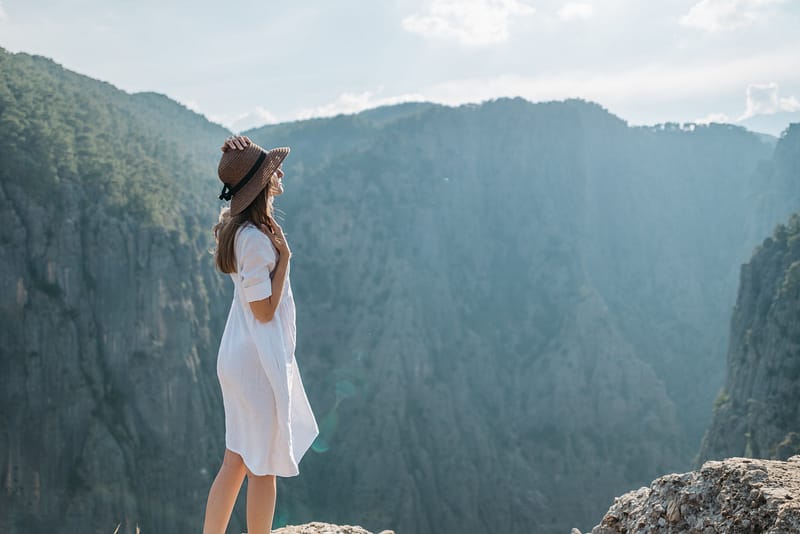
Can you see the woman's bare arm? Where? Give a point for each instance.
(264, 309)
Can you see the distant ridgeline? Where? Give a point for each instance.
(756, 411)
(508, 313)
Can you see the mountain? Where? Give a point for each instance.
(508, 313)
(111, 311)
(527, 298)
(755, 413)
(777, 188)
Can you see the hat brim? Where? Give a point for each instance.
(256, 185)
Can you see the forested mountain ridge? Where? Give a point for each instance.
(608, 186)
(59, 128)
(110, 308)
(554, 258)
(503, 309)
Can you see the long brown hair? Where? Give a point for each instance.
(258, 212)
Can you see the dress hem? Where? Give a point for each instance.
(282, 475)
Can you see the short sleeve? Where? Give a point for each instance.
(256, 259)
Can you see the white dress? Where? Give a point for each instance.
(268, 419)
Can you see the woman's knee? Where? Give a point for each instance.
(251, 476)
(233, 461)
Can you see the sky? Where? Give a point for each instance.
(247, 63)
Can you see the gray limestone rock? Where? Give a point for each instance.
(318, 527)
(736, 495)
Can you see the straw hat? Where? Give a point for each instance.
(246, 173)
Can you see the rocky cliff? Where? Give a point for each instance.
(756, 413)
(109, 307)
(736, 496)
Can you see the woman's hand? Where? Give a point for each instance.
(235, 142)
(277, 238)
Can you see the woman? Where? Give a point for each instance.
(269, 424)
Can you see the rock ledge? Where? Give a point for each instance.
(735, 495)
(318, 527)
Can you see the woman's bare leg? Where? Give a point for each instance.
(261, 492)
(223, 493)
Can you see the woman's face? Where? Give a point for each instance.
(277, 185)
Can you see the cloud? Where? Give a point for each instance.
(763, 99)
(576, 10)
(654, 86)
(241, 121)
(649, 84)
(3, 15)
(658, 87)
(714, 117)
(251, 119)
(469, 22)
(721, 15)
(355, 102)
(193, 105)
